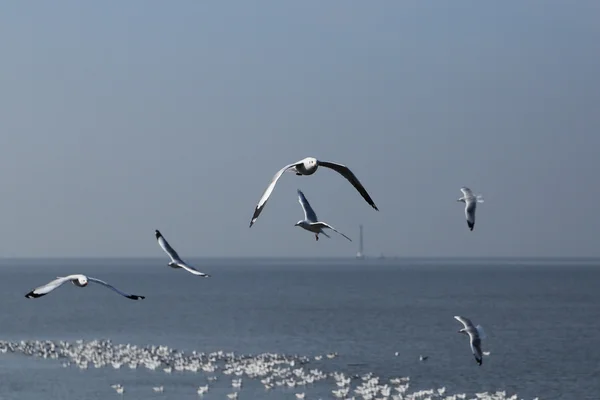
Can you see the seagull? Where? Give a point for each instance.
(475, 333)
(78, 280)
(309, 166)
(470, 205)
(176, 261)
(310, 221)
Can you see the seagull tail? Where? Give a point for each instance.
(479, 198)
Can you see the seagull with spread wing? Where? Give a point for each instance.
(78, 280)
(475, 333)
(176, 261)
(309, 166)
(310, 221)
(470, 201)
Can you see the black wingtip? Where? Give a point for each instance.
(157, 233)
(375, 207)
(471, 225)
(479, 362)
(253, 220)
(134, 297)
(32, 295)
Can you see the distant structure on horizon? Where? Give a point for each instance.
(360, 255)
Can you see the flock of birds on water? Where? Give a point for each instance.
(267, 367)
(291, 374)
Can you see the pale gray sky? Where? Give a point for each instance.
(121, 117)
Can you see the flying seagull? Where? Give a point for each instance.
(77, 280)
(475, 333)
(470, 205)
(176, 261)
(310, 221)
(309, 166)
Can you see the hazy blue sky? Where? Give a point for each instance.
(121, 117)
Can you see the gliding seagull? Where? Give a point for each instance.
(78, 280)
(176, 261)
(310, 221)
(309, 166)
(475, 333)
(470, 205)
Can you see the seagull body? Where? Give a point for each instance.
(78, 280)
(475, 335)
(176, 261)
(310, 221)
(309, 166)
(470, 201)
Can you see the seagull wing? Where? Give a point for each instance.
(481, 332)
(466, 192)
(47, 288)
(346, 173)
(309, 213)
(470, 207)
(263, 200)
(191, 269)
(466, 322)
(476, 348)
(167, 247)
(129, 296)
(325, 225)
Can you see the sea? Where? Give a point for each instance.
(541, 318)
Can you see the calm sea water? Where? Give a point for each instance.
(542, 319)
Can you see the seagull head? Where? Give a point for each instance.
(82, 281)
(299, 223)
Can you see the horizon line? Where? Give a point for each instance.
(373, 257)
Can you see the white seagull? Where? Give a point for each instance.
(309, 166)
(470, 201)
(310, 221)
(475, 333)
(176, 261)
(78, 280)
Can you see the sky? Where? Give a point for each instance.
(118, 118)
